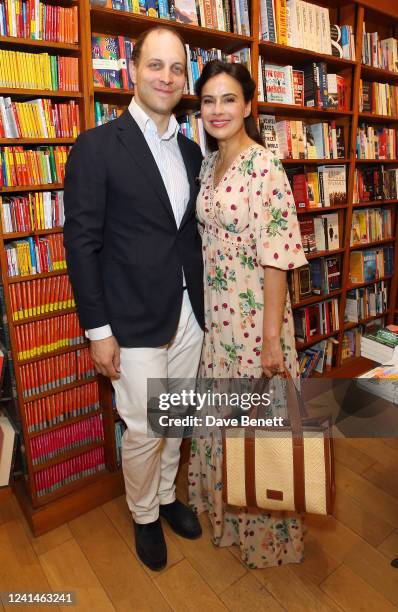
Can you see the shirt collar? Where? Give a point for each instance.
(146, 124)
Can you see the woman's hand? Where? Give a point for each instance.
(272, 357)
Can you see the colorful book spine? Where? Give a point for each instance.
(62, 407)
(52, 478)
(50, 445)
(54, 372)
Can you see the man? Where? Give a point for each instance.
(134, 259)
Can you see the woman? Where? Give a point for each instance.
(250, 239)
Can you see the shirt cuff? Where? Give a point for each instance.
(99, 333)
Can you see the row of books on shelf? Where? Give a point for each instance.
(322, 187)
(320, 232)
(52, 444)
(371, 224)
(23, 70)
(379, 52)
(120, 428)
(104, 112)
(320, 357)
(378, 98)
(48, 335)
(36, 20)
(53, 372)
(371, 264)
(320, 277)
(310, 86)
(295, 139)
(66, 472)
(191, 125)
(40, 118)
(111, 56)
(351, 343)
(375, 183)
(227, 15)
(197, 58)
(301, 24)
(40, 296)
(40, 210)
(374, 142)
(62, 407)
(364, 302)
(35, 255)
(317, 319)
(44, 165)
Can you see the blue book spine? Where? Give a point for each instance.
(164, 9)
(32, 254)
(369, 265)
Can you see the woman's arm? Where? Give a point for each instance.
(274, 305)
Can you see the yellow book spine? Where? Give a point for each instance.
(41, 210)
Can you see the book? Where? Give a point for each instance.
(8, 436)
(278, 83)
(267, 125)
(185, 12)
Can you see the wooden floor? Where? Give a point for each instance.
(347, 565)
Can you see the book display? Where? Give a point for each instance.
(327, 106)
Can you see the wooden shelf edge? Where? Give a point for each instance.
(35, 141)
(45, 93)
(22, 188)
(374, 203)
(55, 390)
(45, 315)
(110, 14)
(70, 454)
(62, 351)
(107, 486)
(266, 45)
(315, 299)
(43, 232)
(351, 324)
(358, 247)
(44, 44)
(19, 279)
(76, 419)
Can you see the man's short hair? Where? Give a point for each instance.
(135, 57)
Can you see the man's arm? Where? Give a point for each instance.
(85, 202)
(85, 209)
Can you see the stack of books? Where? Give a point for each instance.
(379, 344)
(381, 381)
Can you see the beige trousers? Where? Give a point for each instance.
(150, 464)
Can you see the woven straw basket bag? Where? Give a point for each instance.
(291, 468)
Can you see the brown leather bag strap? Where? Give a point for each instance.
(293, 408)
(250, 471)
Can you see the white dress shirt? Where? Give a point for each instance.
(170, 163)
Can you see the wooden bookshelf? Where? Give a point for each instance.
(47, 511)
(69, 498)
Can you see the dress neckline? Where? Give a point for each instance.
(243, 152)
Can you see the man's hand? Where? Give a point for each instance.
(106, 356)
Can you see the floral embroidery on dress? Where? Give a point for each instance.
(248, 221)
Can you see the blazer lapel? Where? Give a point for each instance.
(182, 143)
(133, 139)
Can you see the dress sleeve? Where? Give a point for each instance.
(274, 216)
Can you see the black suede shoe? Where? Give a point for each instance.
(181, 519)
(150, 544)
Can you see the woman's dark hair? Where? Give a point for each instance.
(241, 74)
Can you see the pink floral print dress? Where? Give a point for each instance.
(247, 221)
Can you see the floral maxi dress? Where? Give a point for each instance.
(248, 221)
